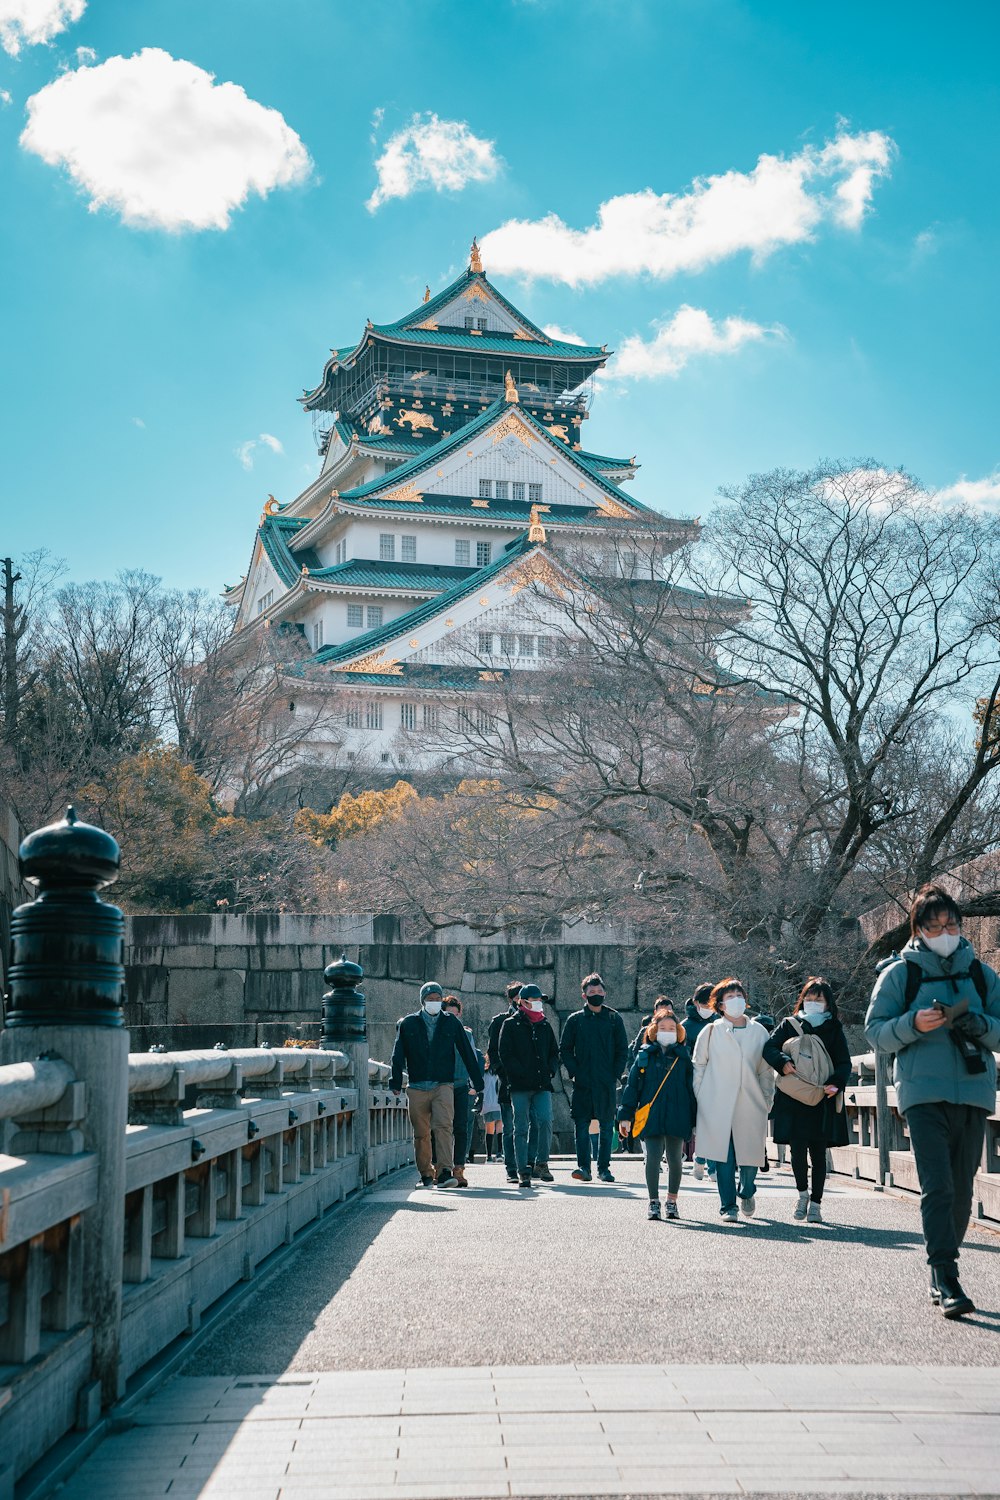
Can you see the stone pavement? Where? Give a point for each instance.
(556, 1343)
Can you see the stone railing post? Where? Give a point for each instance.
(345, 1030)
(884, 1124)
(66, 988)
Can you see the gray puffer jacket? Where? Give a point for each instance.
(929, 1068)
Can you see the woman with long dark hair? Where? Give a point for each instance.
(811, 1042)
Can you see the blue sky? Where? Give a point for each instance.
(142, 353)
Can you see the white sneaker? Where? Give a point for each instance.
(814, 1214)
(699, 1170)
(801, 1206)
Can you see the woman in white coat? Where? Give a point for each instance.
(734, 1087)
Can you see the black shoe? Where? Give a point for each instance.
(579, 1175)
(525, 1179)
(425, 1182)
(447, 1180)
(536, 1170)
(605, 1176)
(543, 1172)
(946, 1292)
(513, 1177)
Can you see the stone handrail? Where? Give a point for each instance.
(151, 1071)
(879, 1151)
(27, 1087)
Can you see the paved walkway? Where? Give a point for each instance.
(556, 1343)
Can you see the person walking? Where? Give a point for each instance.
(491, 1111)
(503, 1092)
(698, 1013)
(936, 1009)
(594, 1052)
(530, 1056)
(660, 1082)
(734, 1087)
(464, 1094)
(810, 1126)
(425, 1047)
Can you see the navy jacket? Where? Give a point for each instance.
(594, 1052)
(674, 1110)
(414, 1052)
(694, 1025)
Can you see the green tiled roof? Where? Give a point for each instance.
(372, 640)
(276, 533)
(461, 508)
(423, 577)
(432, 455)
(413, 676)
(489, 343)
(600, 461)
(428, 309)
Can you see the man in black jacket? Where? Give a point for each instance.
(425, 1047)
(594, 1053)
(496, 1063)
(529, 1054)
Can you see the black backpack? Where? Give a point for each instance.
(915, 977)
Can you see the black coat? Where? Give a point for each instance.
(423, 1059)
(493, 1048)
(594, 1052)
(694, 1025)
(794, 1122)
(674, 1110)
(529, 1054)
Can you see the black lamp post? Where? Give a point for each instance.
(67, 946)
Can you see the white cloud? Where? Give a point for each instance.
(979, 494)
(245, 451)
(29, 23)
(689, 333)
(429, 152)
(562, 334)
(783, 201)
(157, 140)
(138, 422)
(6, 97)
(85, 55)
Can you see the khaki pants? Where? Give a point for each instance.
(433, 1109)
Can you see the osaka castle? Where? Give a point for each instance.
(455, 471)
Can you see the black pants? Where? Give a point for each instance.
(804, 1152)
(947, 1141)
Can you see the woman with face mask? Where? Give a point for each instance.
(734, 1087)
(698, 1013)
(936, 1008)
(809, 1129)
(661, 1077)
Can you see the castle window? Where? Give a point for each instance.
(355, 617)
(507, 644)
(373, 715)
(485, 723)
(432, 716)
(317, 635)
(470, 322)
(481, 324)
(340, 553)
(485, 642)
(385, 757)
(535, 494)
(387, 547)
(526, 645)
(518, 490)
(408, 548)
(485, 489)
(374, 616)
(463, 556)
(265, 601)
(503, 489)
(484, 552)
(354, 716)
(629, 561)
(408, 716)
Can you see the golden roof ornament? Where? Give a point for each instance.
(536, 531)
(475, 259)
(427, 294)
(510, 390)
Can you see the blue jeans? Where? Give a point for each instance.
(725, 1176)
(532, 1119)
(507, 1121)
(605, 1141)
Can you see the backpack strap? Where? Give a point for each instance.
(914, 979)
(978, 976)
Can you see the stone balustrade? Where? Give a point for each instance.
(879, 1150)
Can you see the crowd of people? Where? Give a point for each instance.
(701, 1086)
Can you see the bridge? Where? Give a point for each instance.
(217, 1278)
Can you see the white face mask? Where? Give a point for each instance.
(666, 1038)
(535, 1006)
(814, 1009)
(704, 1011)
(734, 1005)
(944, 944)
(433, 1007)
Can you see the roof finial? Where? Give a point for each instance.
(427, 294)
(475, 259)
(536, 531)
(510, 390)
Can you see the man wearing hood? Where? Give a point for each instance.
(937, 1009)
(425, 1046)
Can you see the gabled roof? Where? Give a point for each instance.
(372, 640)
(432, 455)
(426, 310)
(603, 463)
(276, 532)
(422, 578)
(491, 343)
(461, 508)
